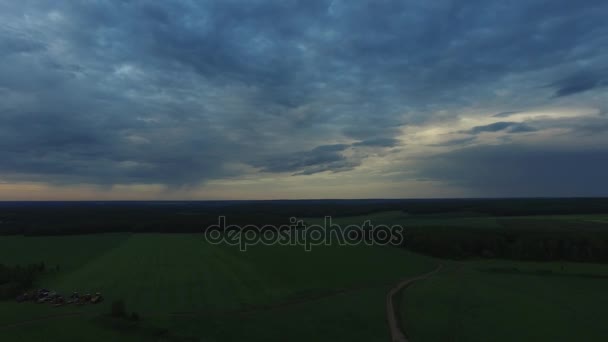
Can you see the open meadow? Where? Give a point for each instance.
(509, 301)
(502, 277)
(180, 285)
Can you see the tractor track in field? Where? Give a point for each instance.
(397, 334)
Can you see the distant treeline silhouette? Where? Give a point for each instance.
(519, 239)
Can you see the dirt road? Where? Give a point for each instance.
(397, 335)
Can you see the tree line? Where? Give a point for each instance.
(14, 280)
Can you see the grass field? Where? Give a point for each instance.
(68, 252)
(502, 300)
(509, 301)
(185, 289)
(180, 283)
(355, 316)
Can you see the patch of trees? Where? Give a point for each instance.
(119, 310)
(14, 280)
(509, 245)
(510, 207)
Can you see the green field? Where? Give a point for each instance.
(509, 301)
(185, 289)
(502, 300)
(193, 289)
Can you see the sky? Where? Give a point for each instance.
(182, 99)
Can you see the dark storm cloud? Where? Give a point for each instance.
(378, 142)
(323, 158)
(455, 142)
(580, 82)
(320, 159)
(516, 170)
(504, 114)
(509, 127)
(179, 92)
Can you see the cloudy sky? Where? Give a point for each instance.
(258, 99)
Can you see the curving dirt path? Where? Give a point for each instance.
(397, 335)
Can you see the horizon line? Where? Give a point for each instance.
(314, 199)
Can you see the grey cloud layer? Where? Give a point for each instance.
(517, 170)
(179, 92)
(319, 159)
